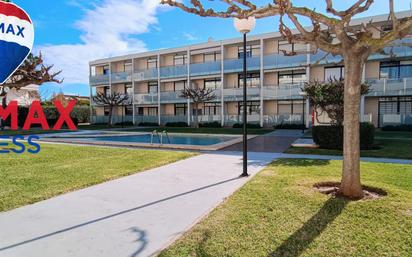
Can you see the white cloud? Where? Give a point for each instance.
(189, 36)
(108, 30)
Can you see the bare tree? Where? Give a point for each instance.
(198, 96)
(112, 100)
(331, 33)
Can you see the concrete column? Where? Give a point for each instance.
(307, 113)
(262, 77)
(308, 77)
(188, 84)
(91, 95)
(158, 90)
(362, 108)
(133, 86)
(222, 77)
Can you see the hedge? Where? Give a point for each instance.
(331, 137)
(404, 127)
(249, 125)
(177, 124)
(148, 124)
(214, 124)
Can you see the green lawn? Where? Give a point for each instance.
(278, 213)
(232, 131)
(57, 169)
(394, 134)
(28, 132)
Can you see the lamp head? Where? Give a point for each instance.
(245, 25)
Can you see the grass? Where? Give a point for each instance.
(28, 132)
(393, 134)
(231, 131)
(58, 169)
(278, 213)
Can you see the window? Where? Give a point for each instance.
(179, 85)
(395, 105)
(212, 83)
(251, 50)
(152, 111)
(128, 90)
(212, 109)
(127, 66)
(106, 111)
(334, 72)
(152, 87)
(211, 57)
(180, 59)
(106, 91)
(290, 107)
(180, 109)
(251, 108)
(128, 110)
(291, 77)
(395, 70)
(152, 63)
(140, 111)
(252, 80)
(106, 70)
(285, 46)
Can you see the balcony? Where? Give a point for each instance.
(278, 61)
(273, 120)
(282, 92)
(233, 119)
(145, 75)
(319, 58)
(99, 80)
(236, 65)
(129, 101)
(171, 97)
(205, 69)
(170, 72)
(390, 87)
(236, 94)
(122, 77)
(395, 119)
(400, 49)
(145, 119)
(146, 98)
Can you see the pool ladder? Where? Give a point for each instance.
(160, 136)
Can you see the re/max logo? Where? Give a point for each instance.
(35, 116)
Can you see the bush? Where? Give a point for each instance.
(403, 127)
(290, 126)
(214, 124)
(124, 123)
(177, 124)
(249, 125)
(331, 137)
(148, 124)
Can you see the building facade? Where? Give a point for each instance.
(154, 81)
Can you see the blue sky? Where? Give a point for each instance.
(70, 33)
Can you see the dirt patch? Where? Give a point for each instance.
(332, 188)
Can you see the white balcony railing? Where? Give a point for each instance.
(151, 98)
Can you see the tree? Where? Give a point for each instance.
(331, 33)
(328, 97)
(198, 96)
(112, 100)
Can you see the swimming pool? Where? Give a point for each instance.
(200, 140)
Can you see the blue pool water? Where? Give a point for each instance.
(174, 139)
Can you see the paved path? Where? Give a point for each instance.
(132, 216)
(274, 142)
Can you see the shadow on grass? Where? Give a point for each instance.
(300, 162)
(302, 238)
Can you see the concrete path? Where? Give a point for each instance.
(274, 142)
(133, 216)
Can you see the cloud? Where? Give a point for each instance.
(108, 29)
(189, 36)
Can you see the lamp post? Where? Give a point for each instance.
(303, 95)
(244, 26)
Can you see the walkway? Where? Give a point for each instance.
(274, 142)
(132, 216)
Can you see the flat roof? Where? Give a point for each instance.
(199, 46)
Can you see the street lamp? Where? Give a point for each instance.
(244, 26)
(303, 95)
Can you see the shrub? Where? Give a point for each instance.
(290, 126)
(214, 124)
(124, 123)
(249, 125)
(403, 127)
(177, 124)
(148, 124)
(331, 137)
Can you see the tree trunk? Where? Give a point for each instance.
(109, 123)
(351, 182)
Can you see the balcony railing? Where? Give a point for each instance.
(118, 77)
(273, 120)
(144, 118)
(99, 79)
(172, 118)
(204, 69)
(146, 98)
(172, 97)
(400, 48)
(173, 71)
(395, 119)
(236, 65)
(276, 61)
(129, 101)
(284, 91)
(390, 87)
(115, 119)
(320, 57)
(144, 75)
(236, 94)
(233, 119)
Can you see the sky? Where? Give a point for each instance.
(70, 33)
